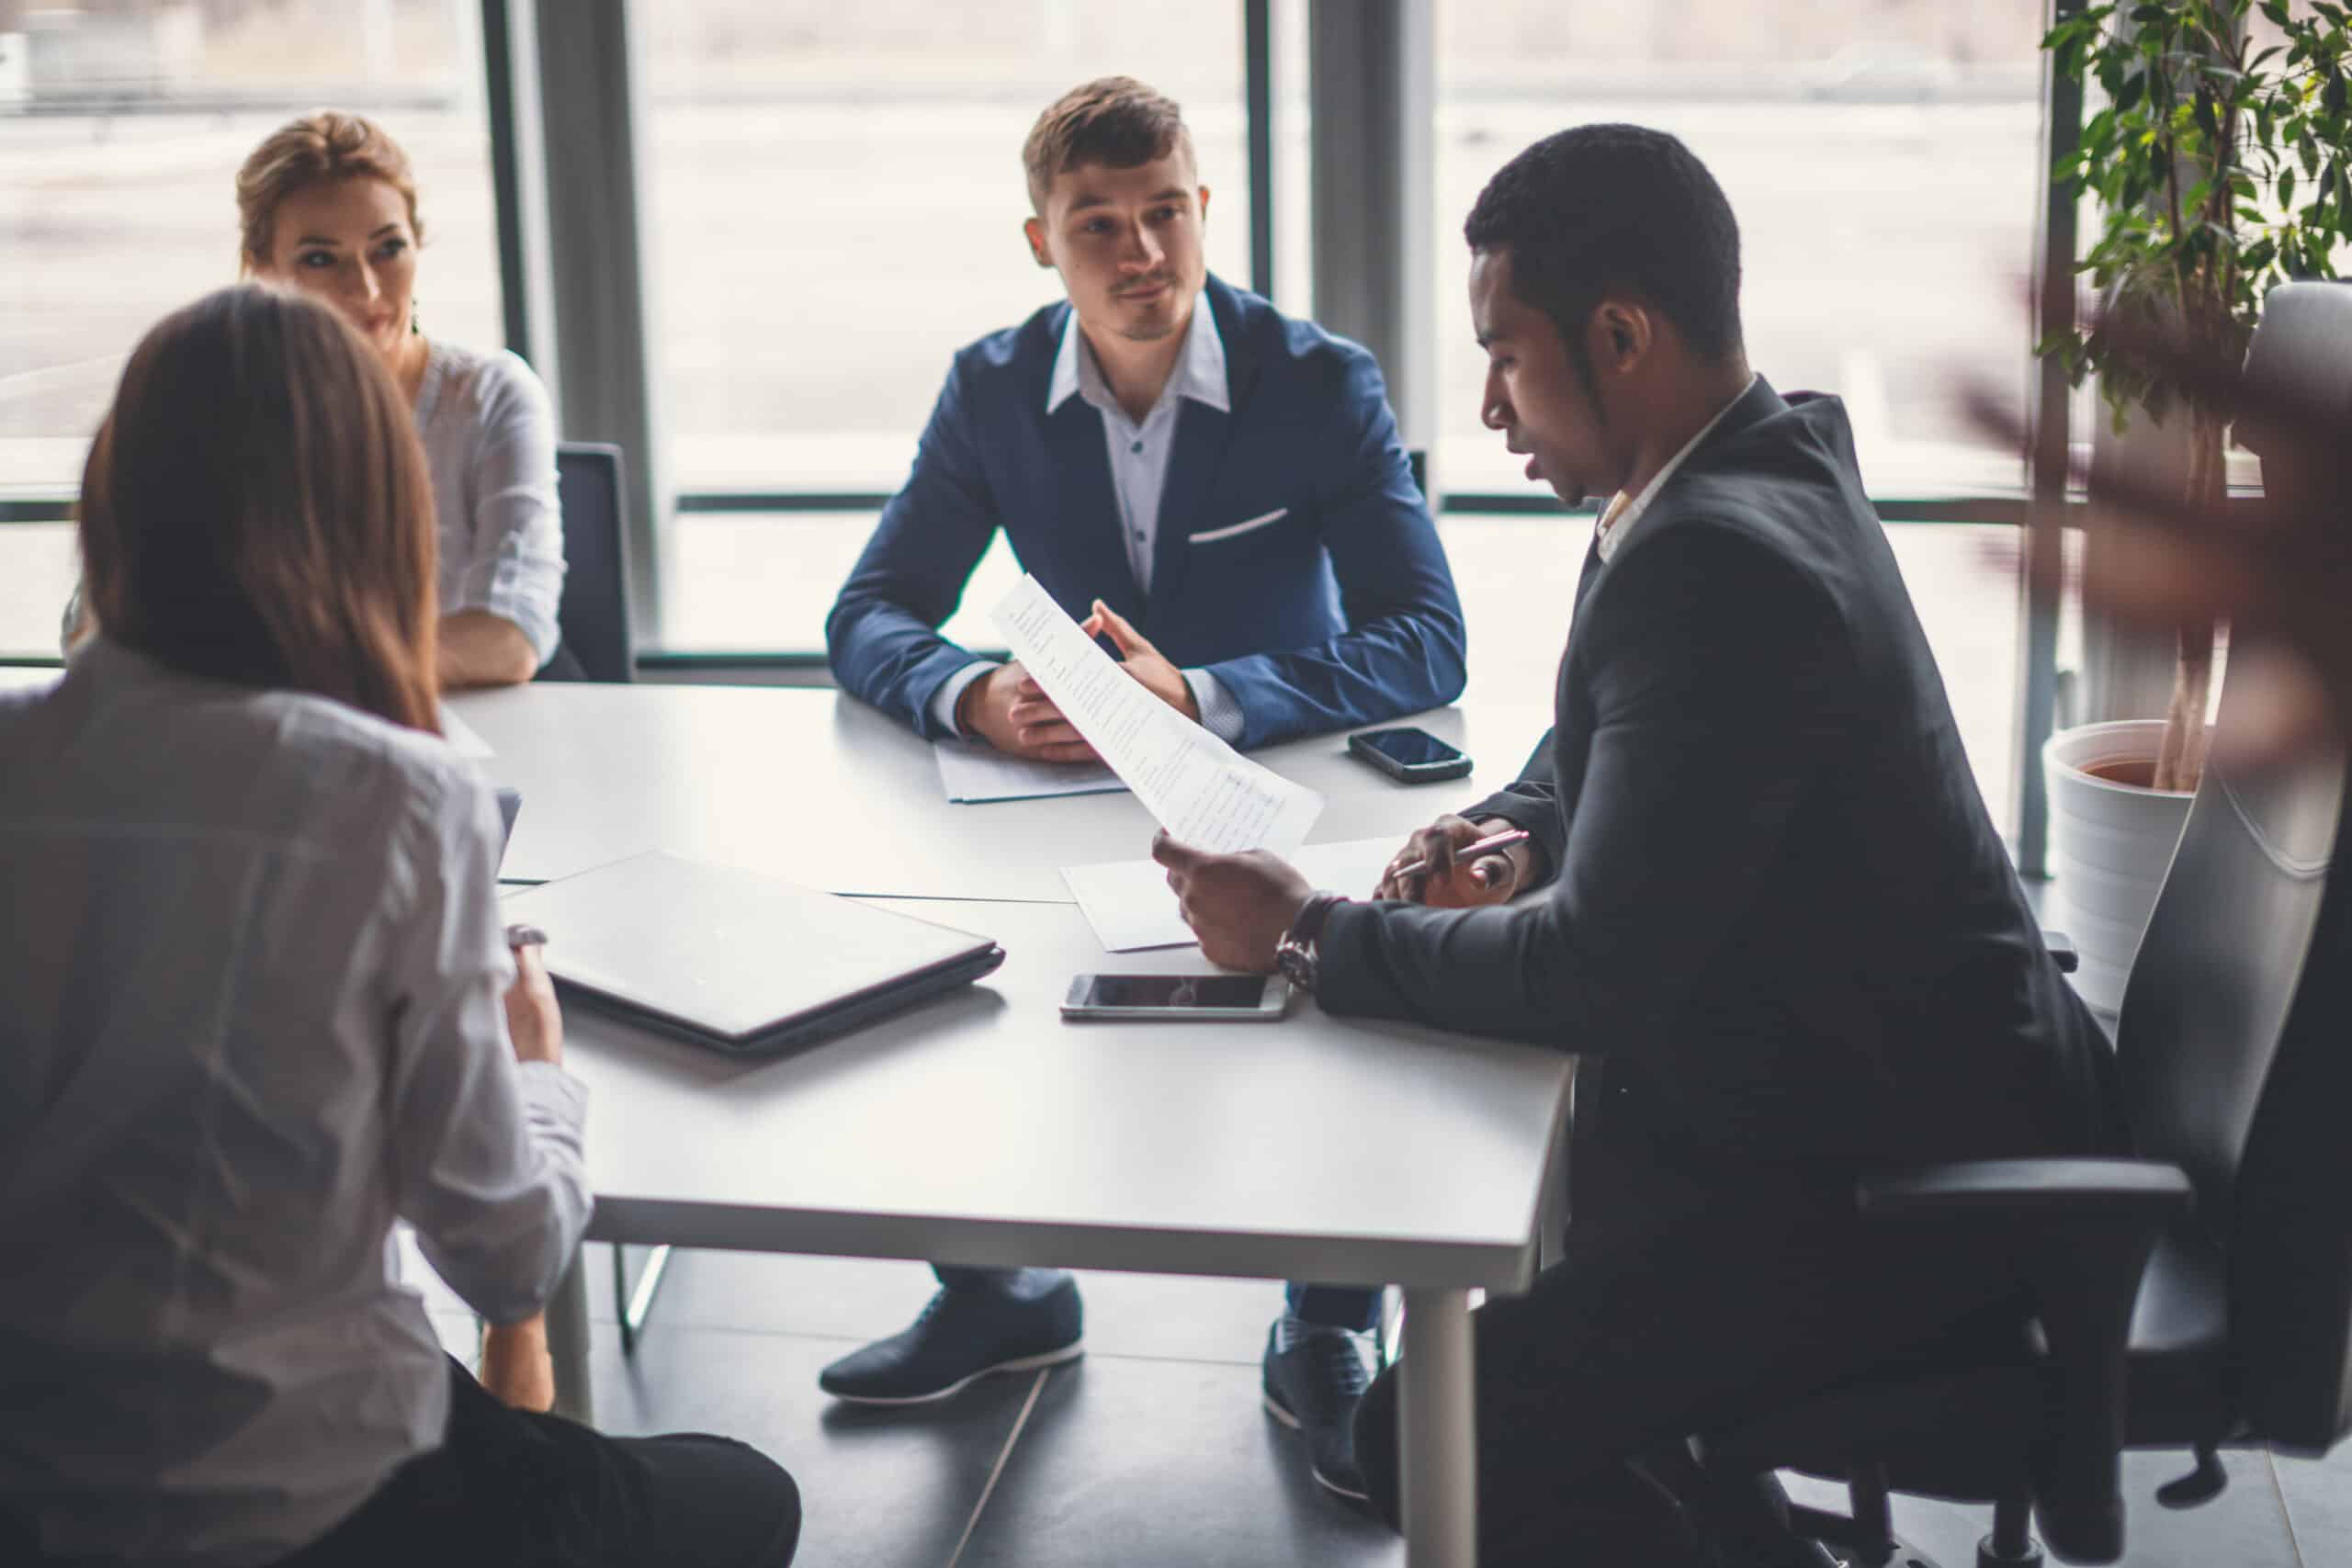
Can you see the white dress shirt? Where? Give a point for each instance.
(254, 969)
(1620, 516)
(1139, 452)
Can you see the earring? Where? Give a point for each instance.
(413, 330)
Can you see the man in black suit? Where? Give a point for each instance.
(1762, 899)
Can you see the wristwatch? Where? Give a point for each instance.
(1299, 956)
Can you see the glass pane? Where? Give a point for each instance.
(838, 199)
(122, 129)
(762, 582)
(1882, 155)
(1517, 572)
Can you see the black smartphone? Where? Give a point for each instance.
(1414, 756)
(1197, 997)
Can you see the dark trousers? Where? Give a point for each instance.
(1352, 1307)
(522, 1490)
(1681, 1328)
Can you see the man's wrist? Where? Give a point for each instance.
(1299, 954)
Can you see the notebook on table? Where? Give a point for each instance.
(740, 962)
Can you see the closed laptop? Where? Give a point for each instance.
(738, 961)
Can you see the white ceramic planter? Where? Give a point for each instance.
(2110, 846)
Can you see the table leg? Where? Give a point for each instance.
(568, 1343)
(1438, 1460)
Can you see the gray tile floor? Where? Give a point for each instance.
(1154, 1449)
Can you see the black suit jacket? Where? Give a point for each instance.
(1776, 920)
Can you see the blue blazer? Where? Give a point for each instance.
(1339, 612)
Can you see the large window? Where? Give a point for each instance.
(122, 128)
(837, 199)
(1883, 157)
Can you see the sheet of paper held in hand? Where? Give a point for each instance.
(1203, 791)
(1129, 906)
(973, 772)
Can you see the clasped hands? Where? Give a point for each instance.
(1012, 713)
(1240, 905)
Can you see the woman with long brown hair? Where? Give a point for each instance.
(260, 1005)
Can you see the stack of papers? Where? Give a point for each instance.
(1129, 906)
(973, 771)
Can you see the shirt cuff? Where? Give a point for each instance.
(950, 692)
(1220, 714)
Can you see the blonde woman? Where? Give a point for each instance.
(260, 1005)
(327, 204)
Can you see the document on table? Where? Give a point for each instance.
(1203, 791)
(972, 772)
(1129, 906)
(464, 737)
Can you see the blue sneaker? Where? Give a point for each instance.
(1315, 1378)
(962, 1335)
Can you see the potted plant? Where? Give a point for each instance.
(2219, 163)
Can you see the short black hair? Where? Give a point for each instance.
(1610, 208)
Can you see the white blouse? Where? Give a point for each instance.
(488, 433)
(254, 969)
(489, 436)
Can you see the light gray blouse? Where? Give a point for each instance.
(253, 968)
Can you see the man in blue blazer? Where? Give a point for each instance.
(1220, 491)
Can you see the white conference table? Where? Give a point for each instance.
(818, 788)
(980, 1129)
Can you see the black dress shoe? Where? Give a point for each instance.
(962, 1336)
(1315, 1378)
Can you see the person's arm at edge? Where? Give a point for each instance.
(1406, 648)
(486, 1150)
(1723, 688)
(481, 647)
(882, 636)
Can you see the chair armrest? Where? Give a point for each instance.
(2061, 952)
(2080, 1232)
(2101, 1192)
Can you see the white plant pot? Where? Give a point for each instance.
(2110, 846)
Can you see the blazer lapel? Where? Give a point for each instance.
(1086, 516)
(1201, 436)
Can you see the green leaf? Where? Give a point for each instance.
(2130, 91)
(2286, 189)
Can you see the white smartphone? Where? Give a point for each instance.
(1199, 998)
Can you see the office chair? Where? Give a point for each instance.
(2199, 1295)
(594, 614)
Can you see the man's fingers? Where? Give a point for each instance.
(1491, 871)
(1126, 636)
(1175, 854)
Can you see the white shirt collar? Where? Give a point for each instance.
(1199, 375)
(1621, 515)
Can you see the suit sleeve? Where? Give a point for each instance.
(1723, 685)
(1404, 649)
(882, 636)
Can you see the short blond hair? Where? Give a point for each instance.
(315, 150)
(1115, 121)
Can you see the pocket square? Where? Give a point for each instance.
(1228, 532)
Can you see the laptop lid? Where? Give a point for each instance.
(727, 954)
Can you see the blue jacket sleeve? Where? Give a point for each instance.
(882, 636)
(1404, 649)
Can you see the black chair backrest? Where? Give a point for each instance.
(594, 612)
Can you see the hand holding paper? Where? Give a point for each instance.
(1202, 790)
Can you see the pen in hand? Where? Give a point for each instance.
(1468, 852)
